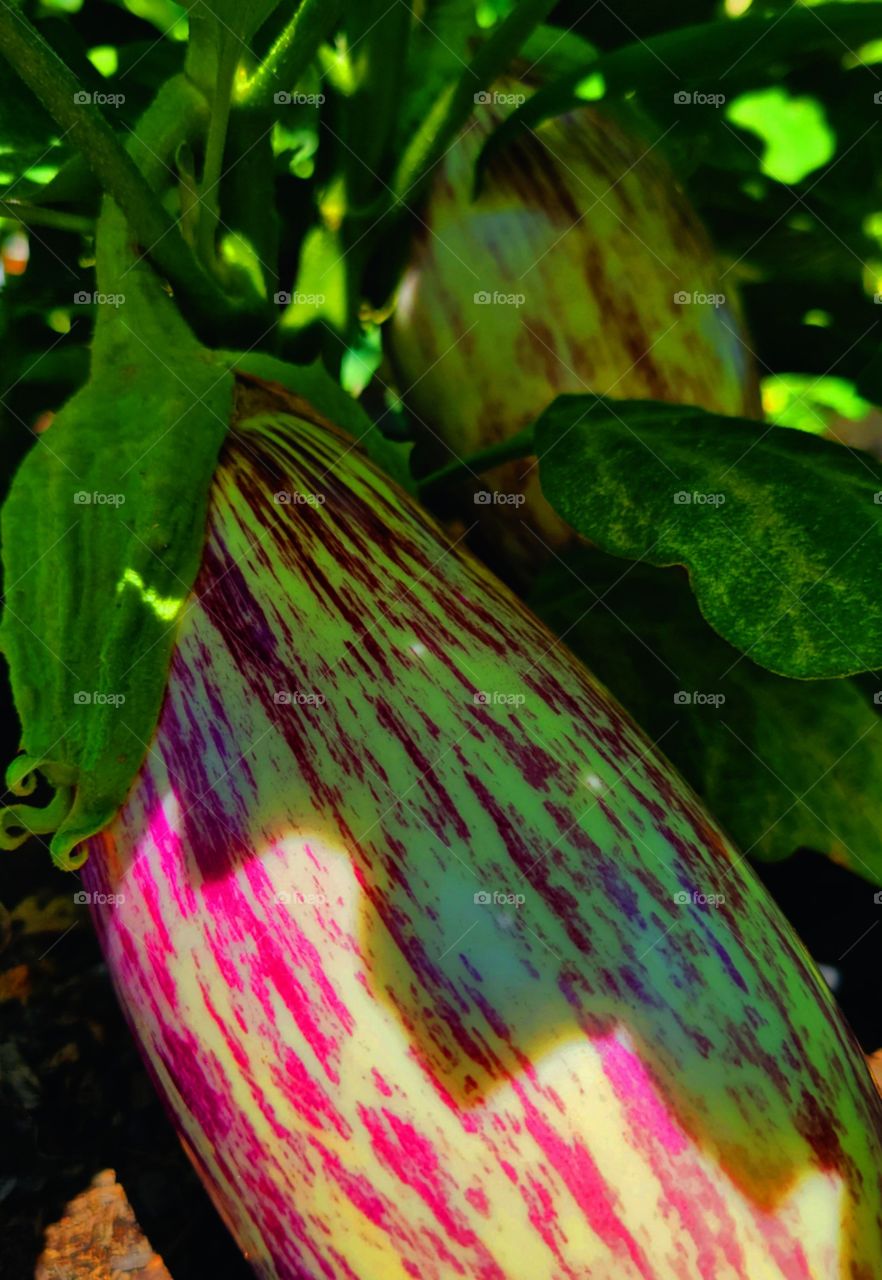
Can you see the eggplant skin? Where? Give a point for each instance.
(440, 968)
(566, 274)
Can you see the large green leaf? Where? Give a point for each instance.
(782, 764)
(781, 532)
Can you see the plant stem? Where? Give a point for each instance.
(518, 446)
(36, 216)
(455, 104)
(177, 115)
(83, 124)
(291, 53)
(209, 213)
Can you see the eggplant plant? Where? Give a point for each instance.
(438, 965)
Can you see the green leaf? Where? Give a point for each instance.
(781, 531)
(321, 291)
(102, 538)
(782, 764)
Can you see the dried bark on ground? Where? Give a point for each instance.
(99, 1239)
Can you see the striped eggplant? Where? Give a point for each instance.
(580, 267)
(439, 967)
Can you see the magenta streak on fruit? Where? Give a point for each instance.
(440, 968)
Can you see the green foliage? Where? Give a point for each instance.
(717, 57)
(781, 532)
(100, 550)
(809, 404)
(28, 138)
(783, 764)
(796, 135)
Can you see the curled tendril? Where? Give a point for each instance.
(65, 859)
(20, 821)
(21, 776)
